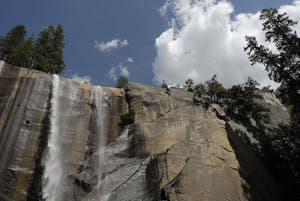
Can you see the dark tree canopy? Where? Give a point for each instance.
(14, 49)
(122, 82)
(214, 88)
(45, 53)
(48, 55)
(200, 89)
(284, 67)
(165, 86)
(189, 85)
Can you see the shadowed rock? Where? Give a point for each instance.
(177, 149)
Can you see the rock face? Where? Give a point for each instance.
(25, 110)
(176, 149)
(197, 155)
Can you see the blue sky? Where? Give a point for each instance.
(139, 22)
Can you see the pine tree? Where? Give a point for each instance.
(11, 44)
(22, 55)
(284, 67)
(48, 50)
(214, 87)
(44, 54)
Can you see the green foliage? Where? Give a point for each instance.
(189, 85)
(267, 89)
(260, 114)
(241, 102)
(122, 82)
(284, 67)
(127, 118)
(22, 55)
(214, 89)
(48, 55)
(14, 49)
(200, 90)
(43, 54)
(12, 40)
(290, 108)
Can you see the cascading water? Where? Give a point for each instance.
(53, 167)
(65, 104)
(101, 107)
(64, 110)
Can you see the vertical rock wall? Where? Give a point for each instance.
(196, 156)
(25, 105)
(176, 150)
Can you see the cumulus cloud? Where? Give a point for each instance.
(118, 70)
(112, 73)
(123, 70)
(110, 45)
(204, 39)
(82, 79)
(129, 59)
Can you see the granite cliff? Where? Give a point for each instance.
(61, 141)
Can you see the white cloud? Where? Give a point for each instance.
(123, 71)
(123, 43)
(129, 59)
(112, 73)
(203, 40)
(110, 45)
(82, 79)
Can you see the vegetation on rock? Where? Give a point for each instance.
(44, 54)
(122, 82)
(164, 86)
(283, 67)
(127, 118)
(189, 85)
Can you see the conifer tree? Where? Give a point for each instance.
(44, 54)
(283, 67)
(21, 55)
(48, 50)
(12, 46)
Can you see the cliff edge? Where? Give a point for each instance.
(176, 149)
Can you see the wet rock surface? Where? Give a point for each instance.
(177, 149)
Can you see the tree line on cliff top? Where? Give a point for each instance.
(45, 53)
(282, 148)
(283, 67)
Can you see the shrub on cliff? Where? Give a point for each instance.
(122, 82)
(199, 90)
(189, 85)
(242, 105)
(164, 86)
(127, 118)
(214, 89)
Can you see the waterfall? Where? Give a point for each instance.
(65, 104)
(53, 167)
(101, 107)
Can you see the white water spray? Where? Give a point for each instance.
(53, 170)
(64, 103)
(98, 99)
